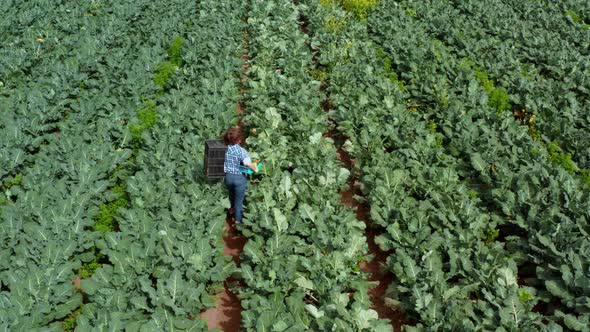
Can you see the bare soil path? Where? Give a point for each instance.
(375, 267)
(227, 313)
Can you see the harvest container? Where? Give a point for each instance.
(214, 158)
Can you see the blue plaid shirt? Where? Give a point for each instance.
(233, 156)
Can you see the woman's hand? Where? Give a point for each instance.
(253, 166)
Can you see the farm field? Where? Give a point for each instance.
(427, 165)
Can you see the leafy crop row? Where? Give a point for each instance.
(446, 274)
(300, 264)
(76, 211)
(166, 260)
(45, 237)
(438, 85)
(359, 8)
(54, 63)
(544, 69)
(518, 185)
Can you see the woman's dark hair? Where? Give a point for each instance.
(233, 136)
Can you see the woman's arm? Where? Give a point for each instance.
(248, 162)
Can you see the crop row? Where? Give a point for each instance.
(135, 265)
(68, 62)
(537, 204)
(45, 221)
(167, 261)
(431, 164)
(445, 274)
(300, 264)
(543, 63)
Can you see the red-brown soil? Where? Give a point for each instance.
(76, 282)
(227, 314)
(375, 267)
(234, 242)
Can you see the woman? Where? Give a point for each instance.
(235, 180)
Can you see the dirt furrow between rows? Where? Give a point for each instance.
(375, 267)
(227, 313)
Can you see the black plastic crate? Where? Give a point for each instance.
(214, 158)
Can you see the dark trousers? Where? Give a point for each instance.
(236, 185)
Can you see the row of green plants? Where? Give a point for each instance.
(568, 18)
(56, 221)
(300, 263)
(513, 176)
(51, 58)
(146, 117)
(5, 195)
(56, 177)
(447, 268)
(165, 261)
(545, 77)
(499, 100)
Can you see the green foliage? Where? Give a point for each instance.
(147, 117)
(439, 141)
(69, 324)
(95, 9)
(491, 236)
(15, 181)
(88, 269)
(105, 219)
(524, 295)
(442, 95)
(585, 173)
(328, 3)
(558, 157)
(483, 273)
(411, 12)
(432, 128)
(175, 51)
(334, 24)
(574, 16)
(359, 8)
(498, 98)
(166, 70)
(67, 177)
(319, 75)
(136, 131)
(391, 74)
(534, 132)
(164, 73)
(2, 201)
